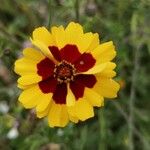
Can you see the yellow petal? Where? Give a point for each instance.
(45, 50)
(24, 86)
(73, 31)
(21, 86)
(33, 54)
(93, 97)
(43, 113)
(30, 97)
(73, 119)
(108, 71)
(82, 110)
(60, 40)
(43, 35)
(87, 42)
(94, 42)
(58, 116)
(70, 100)
(106, 87)
(74, 35)
(45, 101)
(104, 52)
(25, 66)
(29, 79)
(96, 69)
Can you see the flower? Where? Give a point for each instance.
(69, 74)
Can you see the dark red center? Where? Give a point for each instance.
(64, 72)
(69, 69)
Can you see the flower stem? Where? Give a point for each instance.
(137, 44)
(132, 97)
(102, 123)
(50, 13)
(77, 10)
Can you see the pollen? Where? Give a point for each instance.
(64, 72)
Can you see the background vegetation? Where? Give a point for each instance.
(123, 123)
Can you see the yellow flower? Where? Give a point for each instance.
(69, 74)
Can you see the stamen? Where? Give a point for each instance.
(64, 72)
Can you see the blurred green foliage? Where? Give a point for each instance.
(123, 123)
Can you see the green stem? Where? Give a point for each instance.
(132, 97)
(137, 44)
(50, 13)
(102, 123)
(77, 11)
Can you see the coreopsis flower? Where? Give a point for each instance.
(68, 74)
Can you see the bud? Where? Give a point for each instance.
(90, 8)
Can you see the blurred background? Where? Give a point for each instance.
(124, 123)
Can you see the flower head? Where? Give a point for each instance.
(69, 74)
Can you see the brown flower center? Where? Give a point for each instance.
(64, 72)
